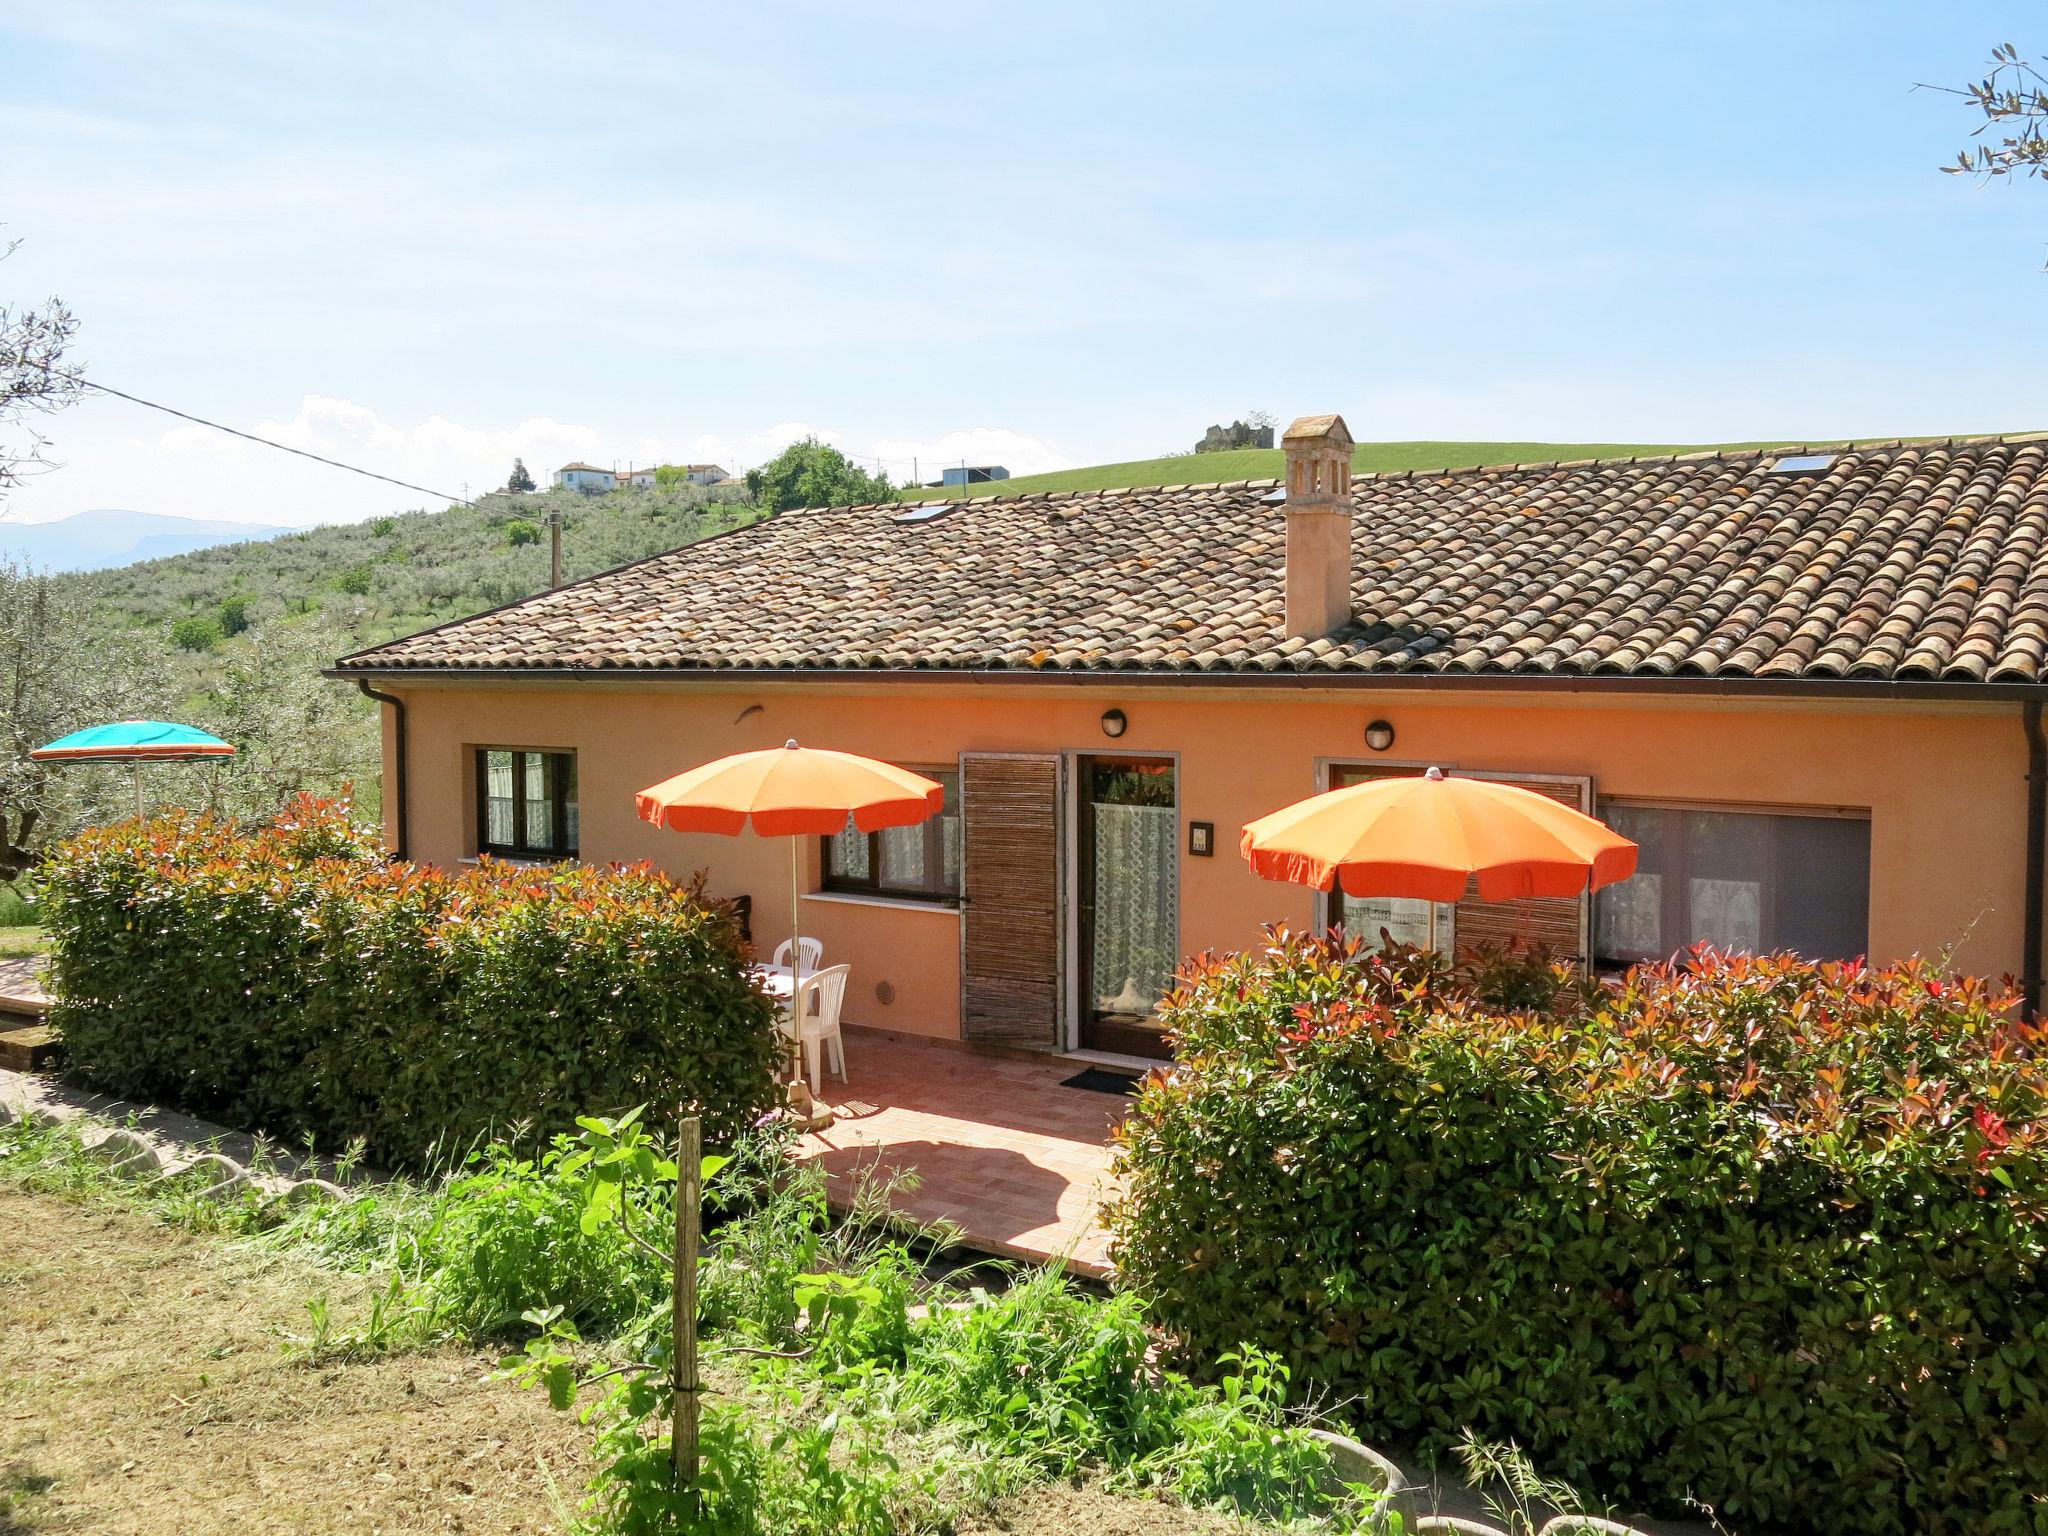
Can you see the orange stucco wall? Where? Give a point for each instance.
(1943, 785)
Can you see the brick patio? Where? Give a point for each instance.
(1016, 1162)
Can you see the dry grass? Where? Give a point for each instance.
(144, 1388)
(1061, 1509)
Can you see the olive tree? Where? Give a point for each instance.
(2012, 100)
(35, 377)
(58, 673)
(292, 729)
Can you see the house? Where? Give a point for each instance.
(973, 474)
(587, 478)
(1807, 681)
(635, 479)
(705, 474)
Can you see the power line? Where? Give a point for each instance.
(108, 389)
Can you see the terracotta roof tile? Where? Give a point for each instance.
(1906, 561)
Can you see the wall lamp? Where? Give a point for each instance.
(1379, 735)
(1115, 722)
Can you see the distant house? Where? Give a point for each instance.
(705, 474)
(635, 479)
(587, 478)
(973, 474)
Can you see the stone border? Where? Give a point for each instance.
(146, 1144)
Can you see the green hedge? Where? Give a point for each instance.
(1761, 1233)
(290, 979)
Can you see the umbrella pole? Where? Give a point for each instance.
(801, 1096)
(135, 770)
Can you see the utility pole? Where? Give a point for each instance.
(554, 547)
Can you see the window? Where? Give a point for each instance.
(921, 863)
(525, 803)
(1404, 919)
(1754, 881)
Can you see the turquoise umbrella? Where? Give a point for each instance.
(134, 742)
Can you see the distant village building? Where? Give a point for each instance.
(587, 478)
(592, 481)
(973, 474)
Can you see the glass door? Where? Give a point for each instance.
(1129, 898)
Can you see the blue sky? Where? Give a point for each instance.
(425, 237)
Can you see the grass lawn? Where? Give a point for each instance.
(1264, 463)
(17, 942)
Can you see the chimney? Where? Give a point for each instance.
(1318, 450)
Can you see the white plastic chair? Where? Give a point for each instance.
(812, 1020)
(813, 951)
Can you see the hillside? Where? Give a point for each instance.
(394, 574)
(1264, 463)
(233, 638)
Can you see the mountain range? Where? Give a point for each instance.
(111, 536)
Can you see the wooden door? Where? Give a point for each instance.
(1011, 925)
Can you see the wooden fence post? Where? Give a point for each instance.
(689, 1214)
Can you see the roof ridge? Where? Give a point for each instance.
(1268, 482)
(1712, 455)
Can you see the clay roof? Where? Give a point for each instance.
(589, 468)
(1901, 562)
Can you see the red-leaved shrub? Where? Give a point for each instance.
(289, 978)
(1759, 1232)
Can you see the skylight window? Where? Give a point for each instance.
(924, 512)
(1801, 464)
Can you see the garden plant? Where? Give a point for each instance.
(290, 979)
(845, 1391)
(1757, 1233)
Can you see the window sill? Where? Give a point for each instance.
(472, 860)
(899, 903)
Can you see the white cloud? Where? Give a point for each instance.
(445, 457)
(196, 471)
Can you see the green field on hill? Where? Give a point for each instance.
(1264, 463)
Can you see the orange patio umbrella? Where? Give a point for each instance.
(1425, 837)
(794, 792)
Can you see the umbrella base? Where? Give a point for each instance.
(804, 1111)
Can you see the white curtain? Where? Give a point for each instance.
(1137, 905)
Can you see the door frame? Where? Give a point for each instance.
(1070, 885)
(1064, 1026)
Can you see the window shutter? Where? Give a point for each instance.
(1560, 924)
(1010, 920)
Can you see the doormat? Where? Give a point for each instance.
(1101, 1080)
